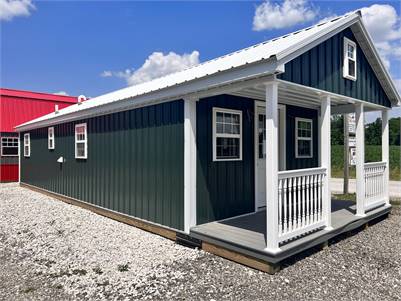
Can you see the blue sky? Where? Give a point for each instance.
(95, 47)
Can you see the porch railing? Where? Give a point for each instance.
(300, 198)
(375, 184)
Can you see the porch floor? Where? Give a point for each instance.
(246, 234)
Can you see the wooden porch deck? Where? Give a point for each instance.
(246, 235)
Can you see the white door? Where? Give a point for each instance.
(260, 145)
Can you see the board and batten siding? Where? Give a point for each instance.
(224, 188)
(292, 162)
(322, 67)
(135, 163)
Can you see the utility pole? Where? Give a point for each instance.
(346, 154)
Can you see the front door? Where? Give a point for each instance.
(260, 145)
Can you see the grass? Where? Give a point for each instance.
(344, 197)
(372, 154)
(123, 267)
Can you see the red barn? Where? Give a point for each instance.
(17, 107)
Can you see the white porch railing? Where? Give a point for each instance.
(300, 197)
(375, 184)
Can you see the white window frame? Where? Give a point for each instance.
(85, 156)
(51, 138)
(216, 135)
(347, 58)
(1, 145)
(297, 119)
(27, 145)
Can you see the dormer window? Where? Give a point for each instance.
(349, 67)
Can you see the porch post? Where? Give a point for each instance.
(189, 163)
(272, 158)
(325, 141)
(360, 159)
(385, 154)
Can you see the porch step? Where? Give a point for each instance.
(188, 241)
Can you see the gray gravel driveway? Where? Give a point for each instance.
(51, 250)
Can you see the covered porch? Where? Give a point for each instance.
(299, 212)
(247, 234)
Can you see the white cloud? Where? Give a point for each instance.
(14, 8)
(383, 24)
(156, 65)
(275, 16)
(61, 93)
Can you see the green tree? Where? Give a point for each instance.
(337, 130)
(373, 132)
(394, 128)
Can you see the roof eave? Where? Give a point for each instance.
(231, 76)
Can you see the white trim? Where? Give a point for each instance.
(385, 153)
(1, 146)
(346, 59)
(360, 160)
(297, 138)
(189, 164)
(325, 158)
(222, 135)
(27, 143)
(272, 227)
(85, 141)
(50, 137)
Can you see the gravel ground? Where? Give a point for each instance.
(50, 250)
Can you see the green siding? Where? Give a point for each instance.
(292, 162)
(135, 163)
(224, 188)
(321, 67)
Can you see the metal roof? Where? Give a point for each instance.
(272, 52)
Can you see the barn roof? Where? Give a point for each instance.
(258, 60)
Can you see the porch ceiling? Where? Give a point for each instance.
(293, 94)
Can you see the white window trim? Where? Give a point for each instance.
(297, 119)
(1, 145)
(50, 137)
(215, 135)
(27, 143)
(346, 58)
(81, 141)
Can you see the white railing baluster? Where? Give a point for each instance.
(285, 226)
(303, 201)
(374, 184)
(300, 200)
(299, 215)
(280, 196)
(290, 218)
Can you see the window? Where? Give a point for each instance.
(27, 145)
(81, 141)
(9, 146)
(227, 135)
(303, 138)
(349, 67)
(50, 136)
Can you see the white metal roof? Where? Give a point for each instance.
(274, 52)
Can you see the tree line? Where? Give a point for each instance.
(372, 131)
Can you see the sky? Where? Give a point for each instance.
(94, 47)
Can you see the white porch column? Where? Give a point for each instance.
(385, 154)
(272, 158)
(360, 159)
(189, 163)
(325, 148)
